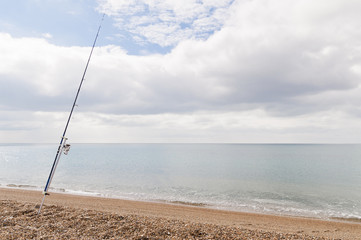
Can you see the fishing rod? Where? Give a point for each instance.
(63, 146)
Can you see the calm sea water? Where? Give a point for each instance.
(289, 179)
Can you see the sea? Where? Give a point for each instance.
(309, 180)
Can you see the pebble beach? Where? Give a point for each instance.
(80, 217)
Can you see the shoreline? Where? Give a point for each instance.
(175, 202)
(334, 229)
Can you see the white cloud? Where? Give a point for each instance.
(274, 72)
(250, 63)
(167, 22)
(254, 126)
(43, 68)
(47, 35)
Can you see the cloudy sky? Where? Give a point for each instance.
(223, 71)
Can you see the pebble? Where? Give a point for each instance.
(20, 221)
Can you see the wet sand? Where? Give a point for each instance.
(81, 217)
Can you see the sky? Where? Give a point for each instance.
(192, 71)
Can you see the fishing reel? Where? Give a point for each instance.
(66, 147)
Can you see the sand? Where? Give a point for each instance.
(81, 217)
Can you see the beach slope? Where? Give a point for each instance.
(81, 217)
